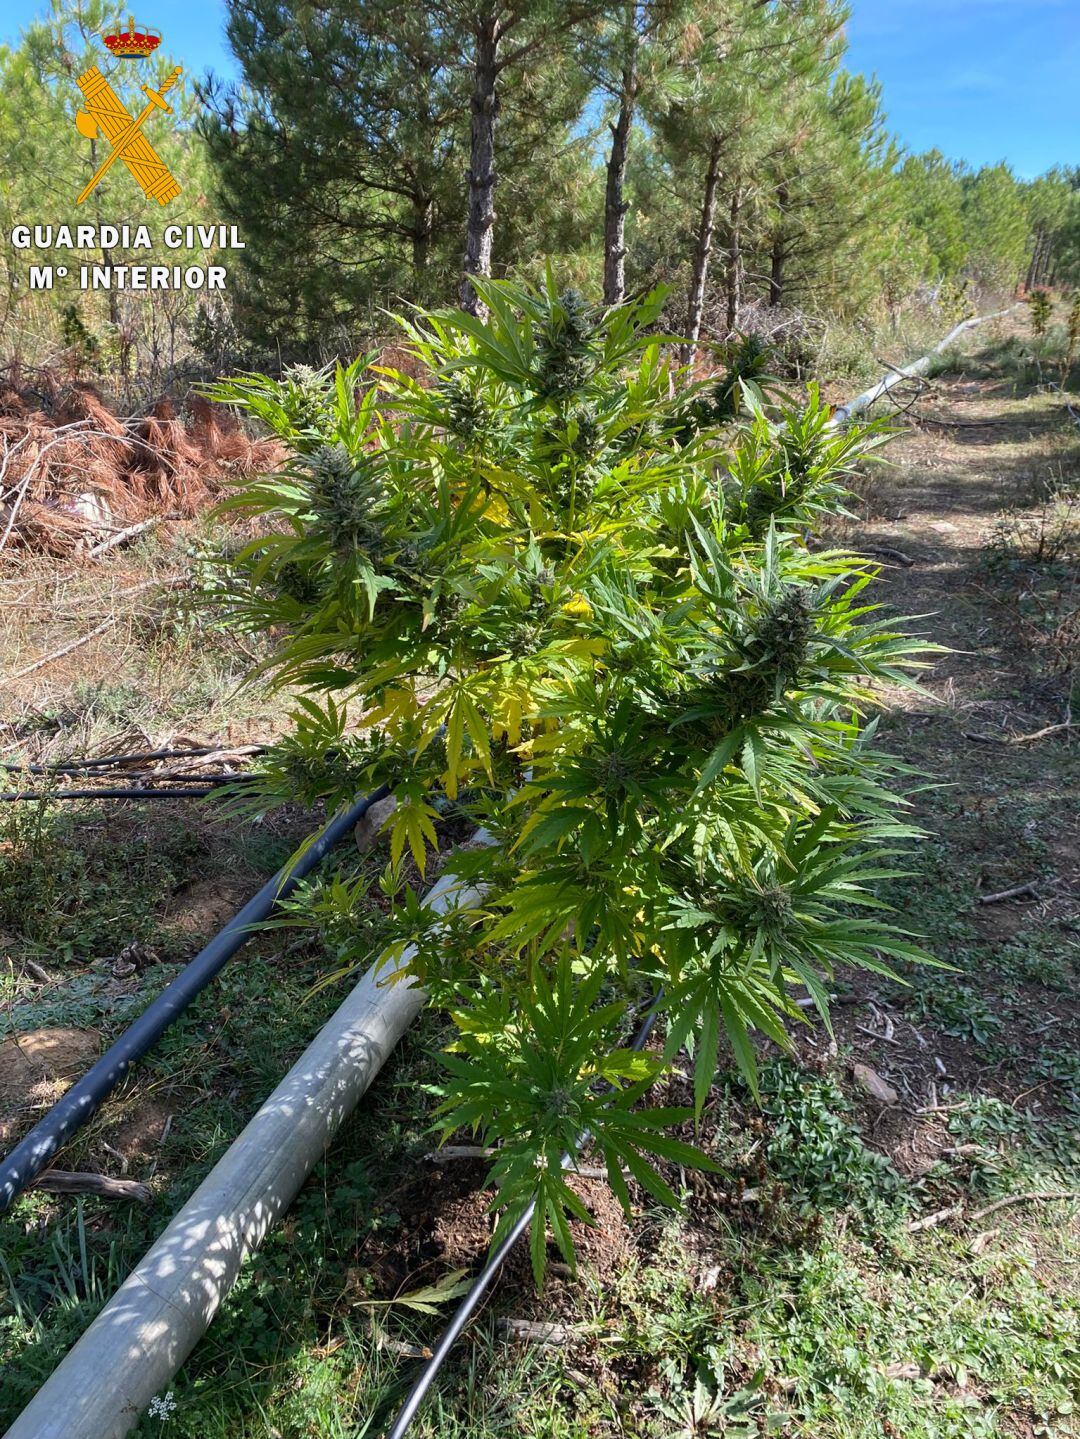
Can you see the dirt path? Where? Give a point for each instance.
(964, 507)
(965, 502)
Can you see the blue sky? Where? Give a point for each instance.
(192, 30)
(982, 80)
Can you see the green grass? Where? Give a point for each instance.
(75, 885)
(823, 1316)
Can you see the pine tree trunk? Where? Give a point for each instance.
(734, 262)
(423, 222)
(615, 202)
(1033, 267)
(106, 253)
(482, 175)
(1046, 253)
(702, 251)
(779, 253)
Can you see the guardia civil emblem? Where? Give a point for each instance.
(105, 115)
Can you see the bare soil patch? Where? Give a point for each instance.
(200, 909)
(36, 1068)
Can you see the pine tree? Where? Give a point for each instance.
(633, 59)
(343, 152)
(340, 155)
(506, 38)
(995, 227)
(832, 197)
(932, 198)
(746, 56)
(1053, 205)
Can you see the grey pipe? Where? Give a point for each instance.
(32, 1154)
(844, 414)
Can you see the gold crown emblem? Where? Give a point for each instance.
(133, 43)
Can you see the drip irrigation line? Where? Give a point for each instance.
(186, 793)
(483, 1281)
(75, 766)
(178, 787)
(33, 1154)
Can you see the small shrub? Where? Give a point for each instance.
(710, 1405)
(1041, 307)
(816, 1151)
(81, 342)
(957, 1010)
(1072, 337)
(1015, 1147)
(1041, 533)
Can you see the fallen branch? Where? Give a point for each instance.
(63, 650)
(1041, 733)
(876, 1034)
(458, 1151)
(530, 1331)
(1014, 893)
(940, 1216)
(1029, 1196)
(931, 1221)
(124, 535)
(807, 1001)
(61, 436)
(844, 414)
(203, 761)
(1021, 738)
(69, 1181)
(16, 505)
(402, 1349)
(885, 553)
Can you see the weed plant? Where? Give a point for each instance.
(523, 591)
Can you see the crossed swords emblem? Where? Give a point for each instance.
(106, 113)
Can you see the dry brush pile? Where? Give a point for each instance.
(73, 473)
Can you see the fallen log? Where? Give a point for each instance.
(844, 414)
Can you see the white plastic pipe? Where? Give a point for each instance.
(139, 1340)
(843, 414)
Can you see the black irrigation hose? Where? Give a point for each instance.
(32, 1154)
(178, 787)
(76, 766)
(178, 783)
(480, 1285)
(176, 793)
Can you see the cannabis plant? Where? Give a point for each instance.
(745, 378)
(1041, 309)
(1072, 339)
(523, 592)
